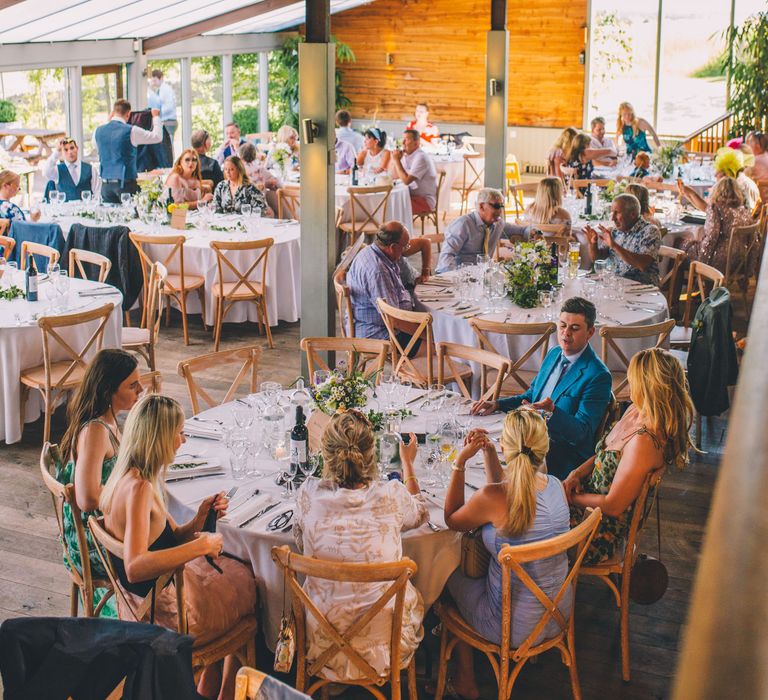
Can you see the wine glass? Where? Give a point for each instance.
(272, 391)
(86, 196)
(288, 474)
(62, 287)
(388, 384)
(243, 415)
(246, 209)
(238, 447)
(125, 199)
(545, 299)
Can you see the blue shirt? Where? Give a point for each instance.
(163, 99)
(348, 134)
(373, 275)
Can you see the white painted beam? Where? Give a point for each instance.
(226, 86)
(186, 100)
(264, 91)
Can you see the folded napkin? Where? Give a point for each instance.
(246, 512)
(184, 469)
(203, 430)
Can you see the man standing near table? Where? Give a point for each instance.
(65, 172)
(600, 141)
(633, 245)
(416, 169)
(161, 96)
(209, 167)
(116, 142)
(345, 132)
(232, 143)
(573, 386)
(345, 157)
(478, 232)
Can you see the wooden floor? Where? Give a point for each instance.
(33, 580)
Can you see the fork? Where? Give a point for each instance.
(433, 527)
(207, 420)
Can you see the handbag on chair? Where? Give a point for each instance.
(475, 558)
(649, 579)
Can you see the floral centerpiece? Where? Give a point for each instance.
(281, 155)
(612, 190)
(340, 393)
(668, 158)
(530, 271)
(151, 190)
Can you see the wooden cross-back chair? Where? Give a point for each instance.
(243, 288)
(518, 380)
(247, 358)
(83, 582)
(178, 284)
(503, 656)
(455, 358)
(740, 266)
(143, 339)
(366, 215)
(610, 334)
(611, 414)
(7, 244)
(471, 178)
(344, 304)
(240, 640)
(77, 257)
(657, 186)
(54, 377)
(578, 184)
(700, 276)
(251, 684)
(288, 204)
(515, 197)
(342, 641)
(432, 215)
(152, 382)
(668, 284)
(620, 565)
(44, 251)
(366, 354)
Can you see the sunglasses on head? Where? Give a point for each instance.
(66, 142)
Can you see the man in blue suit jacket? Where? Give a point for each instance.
(572, 384)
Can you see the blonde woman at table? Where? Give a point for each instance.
(9, 188)
(651, 435)
(133, 501)
(556, 156)
(236, 189)
(547, 207)
(643, 196)
(110, 386)
(184, 180)
(518, 504)
(350, 515)
(287, 135)
(374, 158)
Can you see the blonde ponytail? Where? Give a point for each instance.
(348, 448)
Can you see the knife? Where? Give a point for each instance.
(258, 515)
(416, 398)
(202, 437)
(189, 478)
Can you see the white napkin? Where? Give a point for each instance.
(201, 429)
(240, 515)
(201, 468)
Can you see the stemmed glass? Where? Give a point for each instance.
(246, 209)
(288, 474)
(388, 384)
(435, 398)
(432, 457)
(272, 391)
(545, 299)
(61, 284)
(243, 415)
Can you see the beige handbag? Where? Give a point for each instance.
(475, 558)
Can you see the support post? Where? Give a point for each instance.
(226, 86)
(137, 78)
(74, 104)
(186, 100)
(657, 70)
(496, 97)
(263, 91)
(317, 99)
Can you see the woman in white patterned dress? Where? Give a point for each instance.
(349, 515)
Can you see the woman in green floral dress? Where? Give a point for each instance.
(652, 434)
(110, 385)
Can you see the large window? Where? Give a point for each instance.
(38, 96)
(207, 108)
(100, 90)
(245, 91)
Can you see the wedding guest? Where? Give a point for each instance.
(232, 142)
(209, 167)
(652, 434)
(110, 386)
(633, 130)
(556, 156)
(345, 157)
(133, 501)
(350, 515)
(580, 157)
(572, 384)
(547, 207)
(633, 244)
(66, 172)
(374, 158)
(256, 168)
(643, 197)
(642, 165)
(345, 132)
(428, 132)
(287, 135)
(160, 96)
(9, 188)
(478, 232)
(725, 212)
(416, 169)
(518, 504)
(600, 141)
(758, 142)
(236, 189)
(185, 182)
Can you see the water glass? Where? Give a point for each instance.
(272, 391)
(545, 299)
(600, 269)
(273, 431)
(246, 209)
(435, 398)
(85, 197)
(125, 199)
(239, 456)
(243, 415)
(61, 284)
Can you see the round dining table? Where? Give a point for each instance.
(21, 344)
(434, 548)
(398, 207)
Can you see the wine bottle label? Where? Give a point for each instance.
(298, 451)
(32, 285)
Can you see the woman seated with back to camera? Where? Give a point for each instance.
(556, 156)
(651, 435)
(236, 189)
(519, 504)
(218, 593)
(547, 207)
(185, 182)
(350, 515)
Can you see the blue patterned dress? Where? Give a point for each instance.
(636, 142)
(9, 210)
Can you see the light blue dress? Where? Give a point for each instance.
(479, 600)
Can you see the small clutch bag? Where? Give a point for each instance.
(475, 558)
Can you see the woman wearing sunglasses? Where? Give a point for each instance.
(184, 180)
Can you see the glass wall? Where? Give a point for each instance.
(207, 97)
(245, 91)
(38, 96)
(99, 94)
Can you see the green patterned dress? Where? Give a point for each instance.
(612, 531)
(66, 475)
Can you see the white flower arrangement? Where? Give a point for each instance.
(281, 154)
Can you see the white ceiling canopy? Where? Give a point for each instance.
(71, 20)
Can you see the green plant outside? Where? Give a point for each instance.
(7, 111)
(749, 73)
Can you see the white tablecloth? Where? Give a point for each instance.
(398, 207)
(454, 328)
(21, 346)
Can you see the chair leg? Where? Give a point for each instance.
(201, 294)
(263, 303)
(48, 411)
(572, 669)
(183, 305)
(73, 599)
(413, 692)
(442, 664)
(624, 627)
(22, 409)
(218, 321)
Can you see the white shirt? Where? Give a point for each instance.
(50, 171)
(420, 165)
(606, 143)
(139, 136)
(163, 99)
(348, 134)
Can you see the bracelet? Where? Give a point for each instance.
(454, 468)
(408, 478)
(426, 271)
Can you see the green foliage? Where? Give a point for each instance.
(716, 67)
(42, 105)
(529, 271)
(668, 158)
(611, 51)
(7, 111)
(749, 73)
(11, 293)
(247, 118)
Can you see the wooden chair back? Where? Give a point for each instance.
(610, 416)
(490, 383)
(540, 332)
(344, 304)
(173, 261)
(658, 186)
(577, 184)
(83, 583)
(246, 357)
(366, 354)
(7, 244)
(77, 257)
(227, 271)
(669, 279)
(610, 334)
(248, 683)
(288, 204)
(153, 304)
(515, 195)
(432, 215)
(107, 547)
(366, 216)
(152, 382)
(699, 277)
(31, 248)
(472, 173)
(5, 224)
(342, 641)
(742, 245)
(402, 364)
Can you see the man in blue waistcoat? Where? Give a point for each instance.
(117, 141)
(65, 172)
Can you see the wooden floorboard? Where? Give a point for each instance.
(33, 580)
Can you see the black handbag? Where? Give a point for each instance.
(649, 579)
